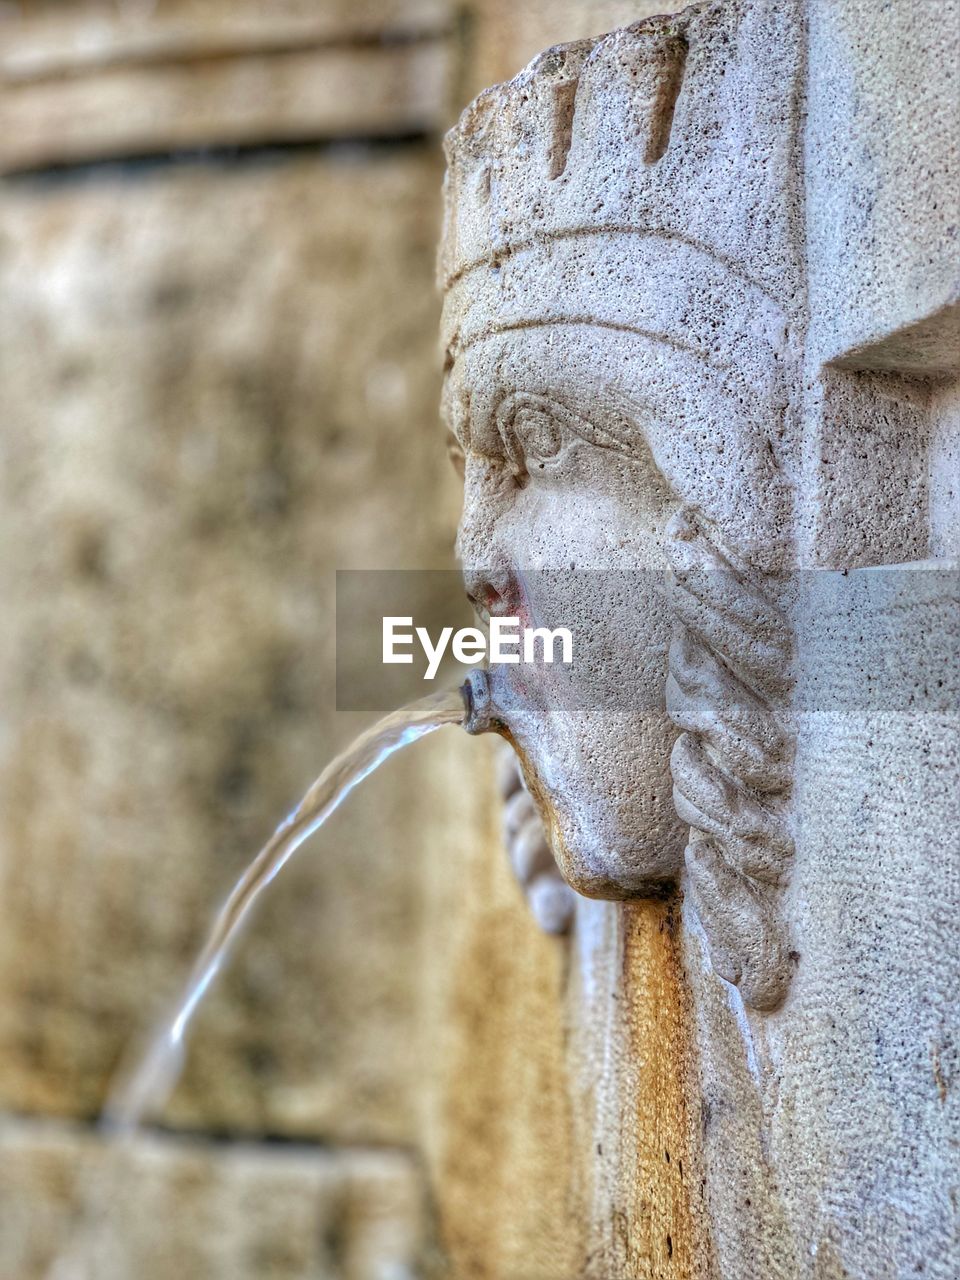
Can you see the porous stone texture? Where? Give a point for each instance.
(206, 373)
(882, 135)
(944, 472)
(169, 1207)
(866, 1055)
(682, 396)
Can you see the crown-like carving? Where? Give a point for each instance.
(669, 129)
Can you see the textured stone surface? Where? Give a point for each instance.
(882, 138)
(944, 472)
(170, 1208)
(213, 379)
(867, 1055)
(626, 263)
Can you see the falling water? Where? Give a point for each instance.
(152, 1081)
(144, 1089)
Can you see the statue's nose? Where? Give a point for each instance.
(493, 590)
(489, 570)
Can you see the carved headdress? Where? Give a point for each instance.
(668, 132)
(644, 183)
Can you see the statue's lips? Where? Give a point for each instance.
(485, 712)
(499, 596)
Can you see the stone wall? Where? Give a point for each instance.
(219, 384)
(218, 338)
(795, 964)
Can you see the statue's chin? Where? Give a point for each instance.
(602, 850)
(614, 864)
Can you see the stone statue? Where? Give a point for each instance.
(619, 356)
(702, 378)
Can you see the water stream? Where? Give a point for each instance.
(142, 1090)
(147, 1087)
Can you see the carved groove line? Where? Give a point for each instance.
(672, 59)
(539, 239)
(457, 345)
(729, 679)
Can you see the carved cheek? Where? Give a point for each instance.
(565, 525)
(489, 492)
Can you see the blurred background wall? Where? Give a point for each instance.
(218, 385)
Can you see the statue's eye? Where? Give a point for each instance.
(537, 434)
(540, 438)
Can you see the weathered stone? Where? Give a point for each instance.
(98, 81)
(637, 385)
(883, 207)
(168, 1208)
(213, 379)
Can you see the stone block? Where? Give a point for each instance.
(92, 82)
(219, 386)
(883, 204)
(164, 1208)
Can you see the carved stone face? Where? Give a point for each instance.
(563, 519)
(619, 268)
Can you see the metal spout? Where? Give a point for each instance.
(477, 700)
